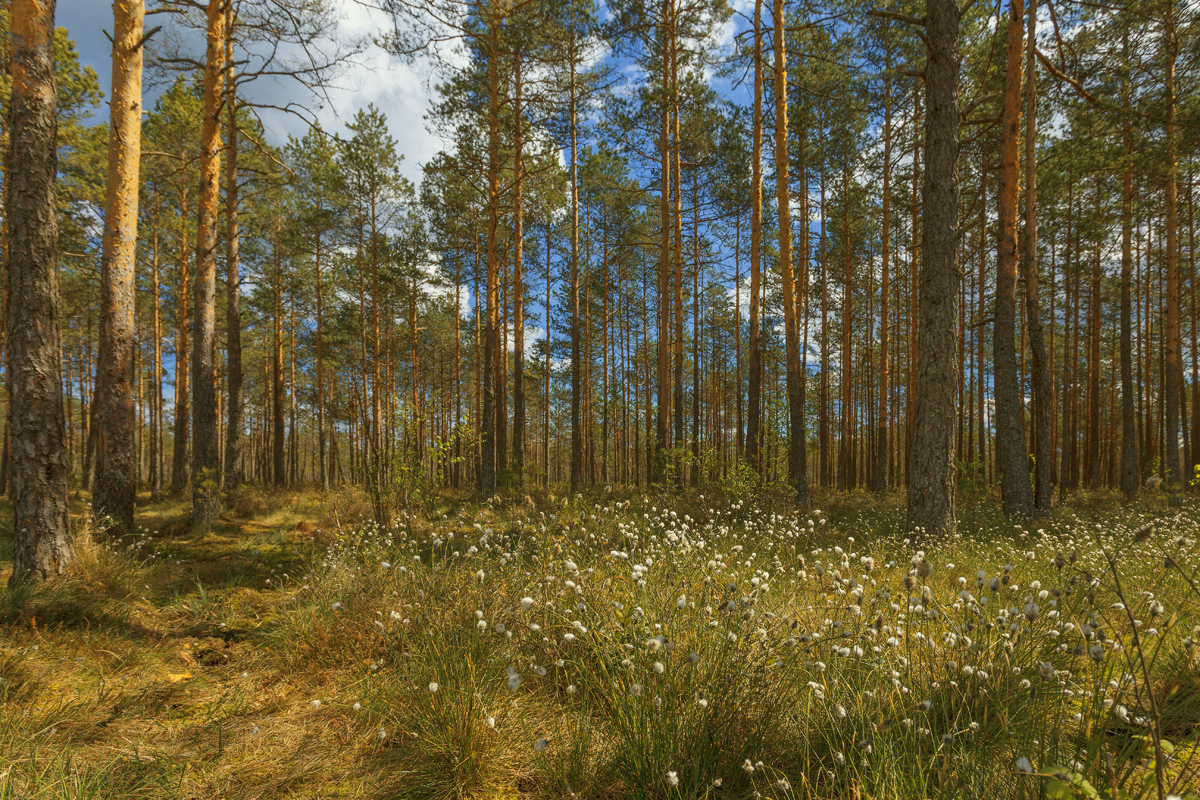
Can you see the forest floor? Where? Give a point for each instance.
(607, 646)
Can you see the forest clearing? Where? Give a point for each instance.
(451, 399)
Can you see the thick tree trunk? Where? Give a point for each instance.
(1016, 497)
(206, 466)
(42, 537)
(931, 478)
(115, 489)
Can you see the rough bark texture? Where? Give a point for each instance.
(115, 487)
(206, 464)
(935, 411)
(1043, 391)
(42, 537)
(1016, 497)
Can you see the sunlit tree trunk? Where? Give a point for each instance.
(206, 466)
(115, 488)
(754, 406)
(796, 466)
(1016, 496)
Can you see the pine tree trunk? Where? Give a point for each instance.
(754, 405)
(182, 422)
(796, 466)
(880, 468)
(1043, 383)
(206, 477)
(278, 474)
(518, 442)
(931, 477)
(1173, 349)
(576, 398)
(234, 422)
(322, 472)
(1016, 497)
(487, 464)
(115, 489)
(42, 544)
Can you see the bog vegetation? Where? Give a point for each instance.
(615, 645)
(742, 399)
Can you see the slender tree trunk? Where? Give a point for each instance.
(518, 442)
(1173, 349)
(115, 488)
(278, 473)
(846, 367)
(1129, 437)
(931, 478)
(662, 419)
(156, 457)
(322, 472)
(576, 421)
(179, 460)
(1043, 383)
(487, 467)
(1016, 496)
(206, 478)
(754, 410)
(42, 537)
(880, 479)
(796, 466)
(234, 423)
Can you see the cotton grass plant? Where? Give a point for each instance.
(628, 648)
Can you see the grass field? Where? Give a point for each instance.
(612, 646)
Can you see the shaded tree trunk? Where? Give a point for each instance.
(1043, 391)
(233, 284)
(42, 544)
(931, 474)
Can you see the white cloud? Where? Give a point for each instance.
(403, 92)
